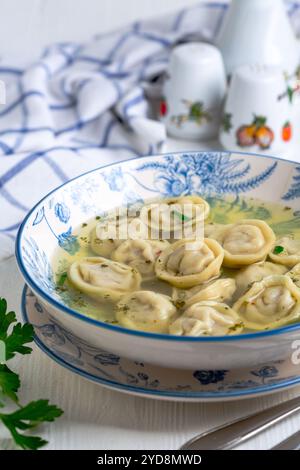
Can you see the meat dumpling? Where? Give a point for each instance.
(255, 273)
(207, 318)
(273, 302)
(121, 229)
(246, 242)
(218, 290)
(212, 230)
(286, 252)
(294, 275)
(187, 263)
(146, 311)
(101, 278)
(140, 254)
(103, 247)
(175, 215)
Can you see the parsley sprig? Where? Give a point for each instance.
(278, 249)
(16, 337)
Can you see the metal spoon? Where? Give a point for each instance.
(291, 443)
(238, 431)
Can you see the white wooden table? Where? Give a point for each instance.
(97, 418)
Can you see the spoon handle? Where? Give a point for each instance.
(291, 443)
(238, 431)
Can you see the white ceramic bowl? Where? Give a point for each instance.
(49, 224)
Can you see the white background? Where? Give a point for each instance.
(26, 26)
(96, 418)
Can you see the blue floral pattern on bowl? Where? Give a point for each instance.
(68, 242)
(294, 191)
(123, 374)
(207, 377)
(208, 173)
(62, 212)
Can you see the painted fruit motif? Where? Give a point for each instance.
(257, 133)
(246, 136)
(226, 122)
(196, 112)
(264, 137)
(291, 90)
(287, 132)
(163, 108)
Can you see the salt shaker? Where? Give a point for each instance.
(194, 92)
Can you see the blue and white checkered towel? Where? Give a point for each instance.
(83, 106)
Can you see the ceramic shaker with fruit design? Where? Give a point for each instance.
(194, 92)
(258, 114)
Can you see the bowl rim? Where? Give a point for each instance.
(119, 329)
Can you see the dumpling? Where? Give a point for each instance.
(212, 230)
(219, 291)
(255, 273)
(246, 242)
(187, 263)
(103, 247)
(286, 252)
(294, 275)
(140, 254)
(207, 318)
(121, 229)
(273, 302)
(146, 311)
(175, 217)
(101, 278)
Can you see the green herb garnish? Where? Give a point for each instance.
(125, 307)
(180, 215)
(278, 249)
(236, 327)
(15, 338)
(62, 279)
(179, 303)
